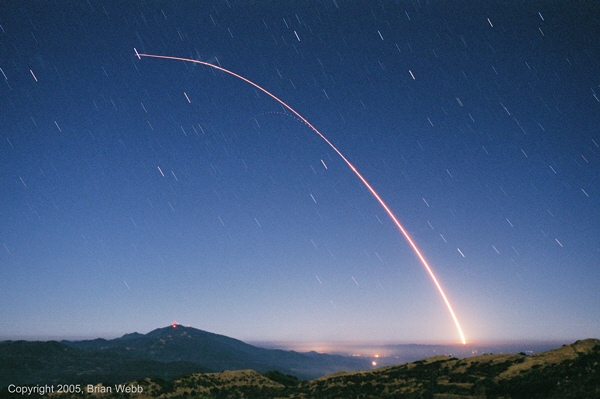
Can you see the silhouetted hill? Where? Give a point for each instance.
(572, 371)
(23, 362)
(134, 335)
(218, 352)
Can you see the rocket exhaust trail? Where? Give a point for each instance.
(356, 172)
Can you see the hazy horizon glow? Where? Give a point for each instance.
(135, 193)
(393, 350)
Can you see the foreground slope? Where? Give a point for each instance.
(572, 371)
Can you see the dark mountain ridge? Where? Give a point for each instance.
(164, 352)
(51, 362)
(177, 343)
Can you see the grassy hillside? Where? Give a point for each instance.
(572, 371)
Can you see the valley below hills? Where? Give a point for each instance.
(183, 362)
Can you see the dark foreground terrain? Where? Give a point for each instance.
(571, 371)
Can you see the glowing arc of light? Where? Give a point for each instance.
(356, 172)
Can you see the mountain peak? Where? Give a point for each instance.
(133, 335)
(177, 330)
(176, 343)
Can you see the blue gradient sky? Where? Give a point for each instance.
(125, 207)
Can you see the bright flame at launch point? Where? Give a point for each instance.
(356, 172)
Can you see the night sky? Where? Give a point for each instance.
(139, 192)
